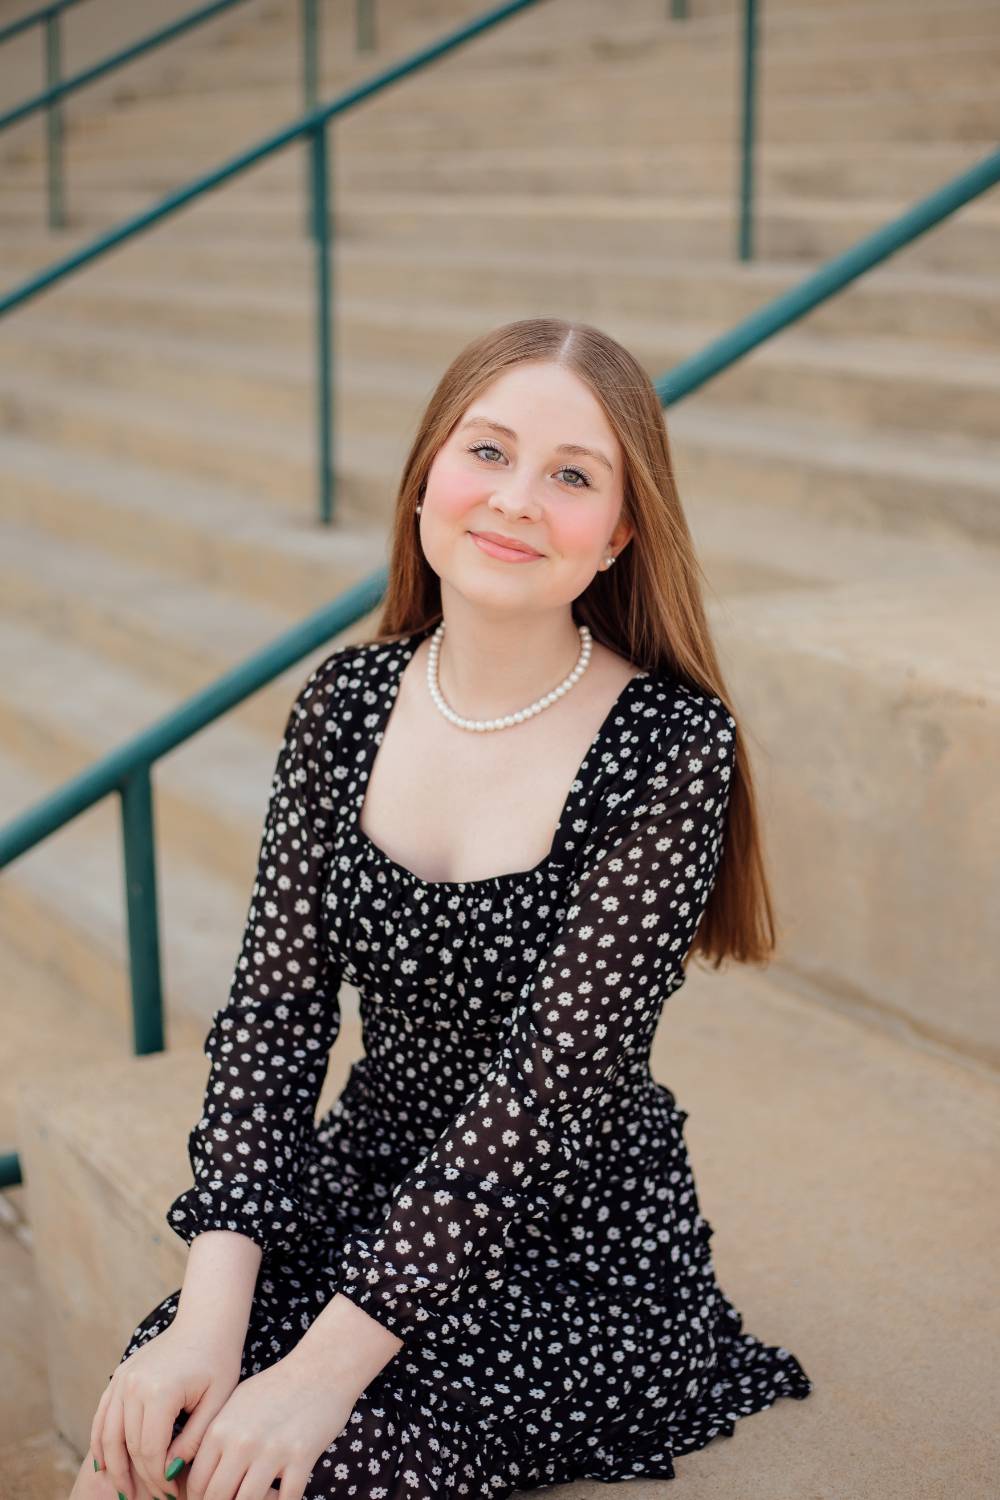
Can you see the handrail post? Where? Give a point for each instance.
(141, 911)
(324, 332)
(53, 120)
(364, 12)
(747, 143)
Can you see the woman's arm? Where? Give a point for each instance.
(347, 1345)
(219, 1281)
(270, 1042)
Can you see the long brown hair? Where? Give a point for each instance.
(648, 607)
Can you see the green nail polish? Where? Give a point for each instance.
(174, 1467)
(97, 1465)
(120, 1495)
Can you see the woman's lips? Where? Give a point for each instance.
(506, 554)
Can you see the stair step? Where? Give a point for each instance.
(275, 74)
(762, 1073)
(790, 228)
(177, 632)
(211, 531)
(275, 460)
(860, 169)
(890, 114)
(62, 917)
(936, 486)
(74, 707)
(41, 1465)
(156, 282)
(209, 353)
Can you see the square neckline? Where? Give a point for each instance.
(400, 660)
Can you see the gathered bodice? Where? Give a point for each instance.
(437, 955)
(445, 954)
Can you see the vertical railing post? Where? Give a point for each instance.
(364, 13)
(141, 911)
(53, 120)
(746, 249)
(324, 330)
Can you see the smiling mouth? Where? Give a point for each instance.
(500, 550)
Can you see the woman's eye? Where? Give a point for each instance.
(480, 448)
(485, 447)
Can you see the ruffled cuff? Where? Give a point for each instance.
(269, 1215)
(394, 1296)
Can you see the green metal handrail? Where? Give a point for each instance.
(312, 126)
(831, 277)
(35, 18)
(48, 17)
(127, 769)
(58, 88)
(748, 119)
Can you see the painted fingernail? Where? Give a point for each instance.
(121, 1496)
(97, 1465)
(173, 1468)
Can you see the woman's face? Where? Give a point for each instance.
(518, 484)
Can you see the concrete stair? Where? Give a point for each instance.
(179, 285)
(789, 229)
(157, 465)
(853, 1116)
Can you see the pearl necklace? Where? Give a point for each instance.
(482, 725)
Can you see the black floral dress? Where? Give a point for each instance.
(500, 1182)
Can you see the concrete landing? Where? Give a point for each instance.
(849, 1177)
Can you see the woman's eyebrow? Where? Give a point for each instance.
(562, 448)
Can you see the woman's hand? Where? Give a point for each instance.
(274, 1425)
(132, 1431)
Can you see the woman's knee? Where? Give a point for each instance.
(92, 1485)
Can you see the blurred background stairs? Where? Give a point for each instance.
(158, 524)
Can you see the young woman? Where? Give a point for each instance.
(509, 820)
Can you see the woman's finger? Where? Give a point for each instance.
(210, 1473)
(187, 1443)
(260, 1477)
(97, 1425)
(132, 1420)
(115, 1452)
(142, 1490)
(155, 1439)
(293, 1483)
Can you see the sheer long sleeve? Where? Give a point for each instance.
(269, 1043)
(516, 1145)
